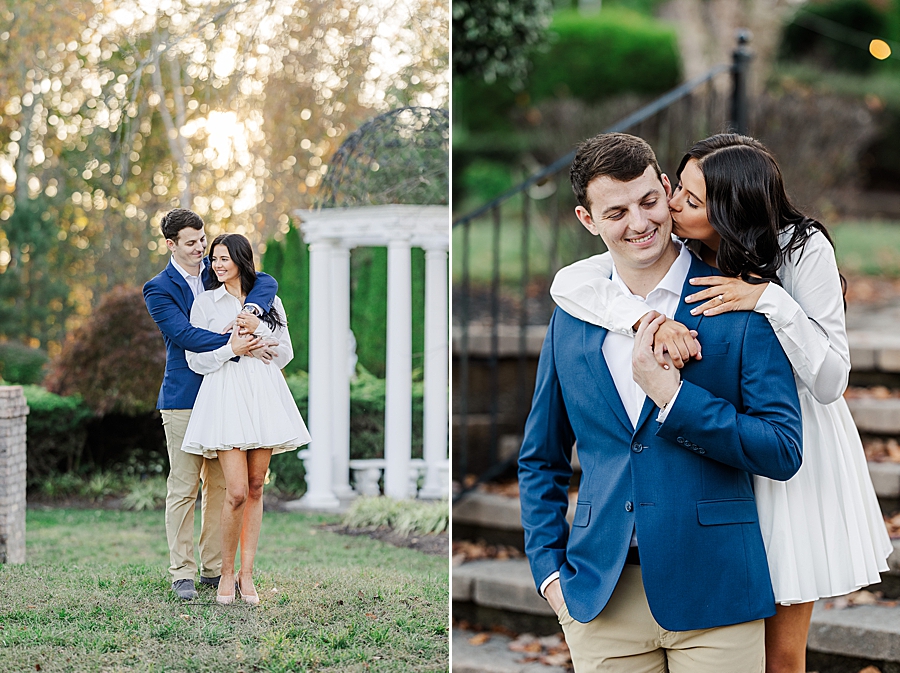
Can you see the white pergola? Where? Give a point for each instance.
(331, 233)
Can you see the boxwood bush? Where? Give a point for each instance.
(56, 431)
(21, 364)
(614, 51)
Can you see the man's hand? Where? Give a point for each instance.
(242, 344)
(554, 596)
(678, 341)
(246, 322)
(658, 383)
(266, 350)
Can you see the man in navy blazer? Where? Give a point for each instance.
(169, 297)
(664, 567)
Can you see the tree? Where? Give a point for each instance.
(117, 112)
(495, 39)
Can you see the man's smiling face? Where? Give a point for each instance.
(631, 217)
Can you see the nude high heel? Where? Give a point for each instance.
(252, 599)
(226, 599)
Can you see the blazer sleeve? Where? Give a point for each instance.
(766, 437)
(545, 469)
(263, 292)
(174, 324)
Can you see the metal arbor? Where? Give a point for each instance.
(401, 156)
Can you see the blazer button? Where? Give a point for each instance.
(629, 506)
(637, 447)
(701, 451)
(680, 440)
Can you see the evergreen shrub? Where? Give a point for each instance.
(615, 51)
(21, 364)
(56, 431)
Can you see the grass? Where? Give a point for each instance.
(868, 248)
(404, 516)
(95, 596)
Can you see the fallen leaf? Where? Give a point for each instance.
(870, 669)
(360, 595)
(37, 667)
(371, 615)
(479, 639)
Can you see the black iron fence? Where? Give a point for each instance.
(506, 252)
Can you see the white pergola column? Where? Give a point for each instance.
(398, 366)
(319, 490)
(340, 381)
(437, 364)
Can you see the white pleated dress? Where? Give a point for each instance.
(241, 405)
(823, 529)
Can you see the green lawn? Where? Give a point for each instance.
(869, 248)
(95, 596)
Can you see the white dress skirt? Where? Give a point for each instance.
(245, 404)
(823, 529)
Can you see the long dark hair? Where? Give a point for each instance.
(241, 254)
(748, 206)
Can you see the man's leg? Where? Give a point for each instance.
(624, 638)
(739, 648)
(211, 518)
(181, 495)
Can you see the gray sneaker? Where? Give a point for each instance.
(184, 589)
(211, 581)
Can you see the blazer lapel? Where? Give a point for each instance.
(683, 315)
(593, 343)
(179, 280)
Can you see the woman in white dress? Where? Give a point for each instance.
(244, 411)
(823, 529)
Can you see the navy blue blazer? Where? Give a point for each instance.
(684, 485)
(169, 299)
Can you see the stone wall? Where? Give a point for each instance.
(13, 410)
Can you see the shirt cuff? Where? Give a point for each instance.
(664, 412)
(224, 353)
(546, 582)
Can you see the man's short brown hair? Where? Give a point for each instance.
(620, 156)
(176, 220)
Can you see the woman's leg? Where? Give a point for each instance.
(257, 466)
(786, 638)
(234, 467)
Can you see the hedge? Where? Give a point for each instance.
(56, 431)
(21, 364)
(64, 435)
(614, 51)
(591, 57)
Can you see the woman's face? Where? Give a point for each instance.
(688, 207)
(222, 264)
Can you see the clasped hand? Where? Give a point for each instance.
(659, 381)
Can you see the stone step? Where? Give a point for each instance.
(876, 416)
(486, 511)
(874, 351)
(867, 631)
(494, 656)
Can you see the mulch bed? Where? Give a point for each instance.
(435, 545)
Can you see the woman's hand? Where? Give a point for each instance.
(724, 294)
(678, 341)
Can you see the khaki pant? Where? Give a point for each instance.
(185, 473)
(625, 638)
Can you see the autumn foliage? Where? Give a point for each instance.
(115, 360)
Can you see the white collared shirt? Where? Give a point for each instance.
(617, 348)
(194, 282)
